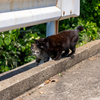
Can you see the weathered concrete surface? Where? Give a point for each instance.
(27, 79)
(81, 82)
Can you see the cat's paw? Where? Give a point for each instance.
(63, 56)
(72, 56)
(56, 59)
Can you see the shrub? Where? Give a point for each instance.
(15, 47)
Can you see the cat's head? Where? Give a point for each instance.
(41, 43)
(35, 50)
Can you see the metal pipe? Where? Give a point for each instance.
(52, 28)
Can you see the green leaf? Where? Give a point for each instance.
(16, 34)
(4, 68)
(14, 30)
(7, 40)
(1, 41)
(0, 62)
(23, 48)
(24, 28)
(59, 74)
(10, 31)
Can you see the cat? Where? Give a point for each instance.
(40, 54)
(63, 41)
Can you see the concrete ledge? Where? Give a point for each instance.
(19, 80)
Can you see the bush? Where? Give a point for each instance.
(15, 47)
(90, 11)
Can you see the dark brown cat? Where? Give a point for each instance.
(63, 41)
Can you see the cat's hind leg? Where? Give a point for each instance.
(72, 46)
(73, 49)
(65, 53)
(72, 53)
(66, 47)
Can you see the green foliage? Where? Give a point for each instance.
(15, 47)
(90, 10)
(89, 33)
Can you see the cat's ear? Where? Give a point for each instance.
(47, 44)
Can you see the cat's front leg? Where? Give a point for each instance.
(37, 61)
(46, 59)
(53, 54)
(59, 53)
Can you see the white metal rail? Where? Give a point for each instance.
(21, 13)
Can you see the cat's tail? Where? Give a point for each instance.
(80, 28)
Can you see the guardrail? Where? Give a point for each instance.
(22, 13)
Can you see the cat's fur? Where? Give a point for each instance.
(63, 41)
(39, 53)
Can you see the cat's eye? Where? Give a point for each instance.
(32, 50)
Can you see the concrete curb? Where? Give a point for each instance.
(22, 79)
